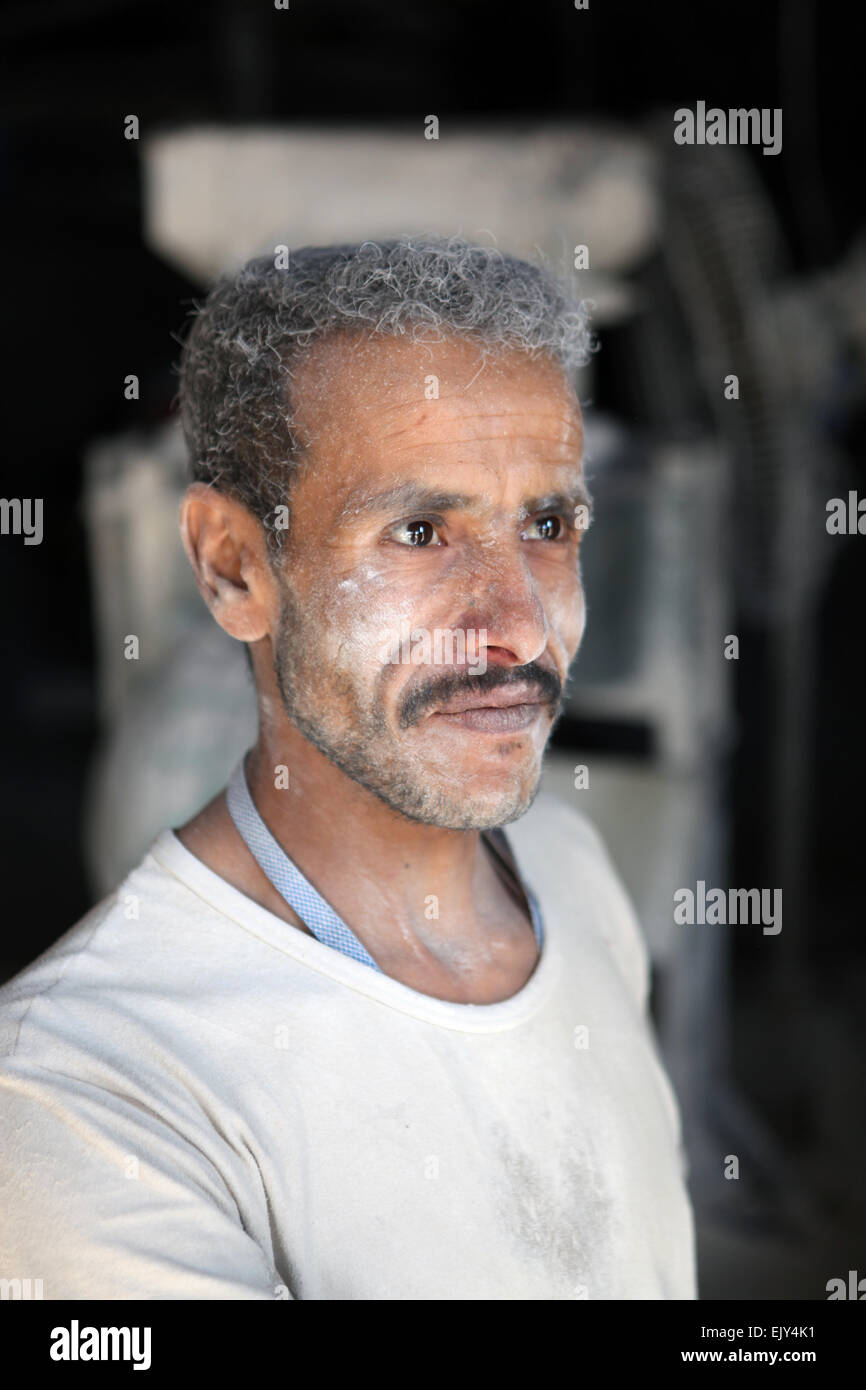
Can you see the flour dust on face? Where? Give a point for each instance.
(453, 515)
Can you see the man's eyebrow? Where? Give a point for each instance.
(576, 496)
(411, 496)
(408, 496)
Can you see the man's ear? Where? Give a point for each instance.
(227, 549)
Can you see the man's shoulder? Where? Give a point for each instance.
(105, 949)
(566, 862)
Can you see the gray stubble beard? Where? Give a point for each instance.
(351, 752)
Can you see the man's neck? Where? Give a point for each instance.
(425, 901)
(386, 875)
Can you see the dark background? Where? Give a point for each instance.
(85, 303)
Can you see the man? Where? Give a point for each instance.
(341, 1036)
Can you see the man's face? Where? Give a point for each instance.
(432, 562)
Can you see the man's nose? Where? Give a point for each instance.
(506, 605)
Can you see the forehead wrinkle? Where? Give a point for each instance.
(502, 411)
(510, 404)
(432, 416)
(567, 428)
(480, 439)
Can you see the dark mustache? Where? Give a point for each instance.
(543, 683)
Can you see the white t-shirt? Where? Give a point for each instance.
(199, 1101)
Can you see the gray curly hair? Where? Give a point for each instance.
(235, 369)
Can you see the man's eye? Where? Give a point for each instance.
(550, 528)
(415, 533)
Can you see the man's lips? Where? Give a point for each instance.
(503, 698)
(503, 710)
